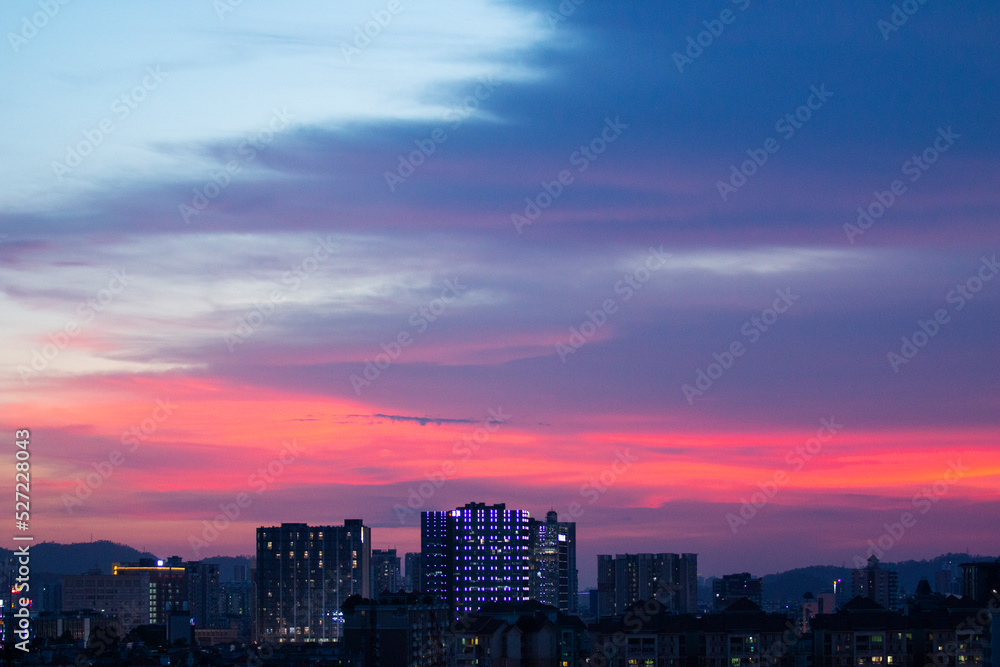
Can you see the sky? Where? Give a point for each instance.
(709, 277)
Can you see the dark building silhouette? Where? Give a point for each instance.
(862, 632)
(944, 631)
(80, 626)
(742, 636)
(733, 587)
(937, 631)
(813, 605)
(396, 630)
(385, 571)
(203, 594)
(877, 584)
(944, 582)
(980, 581)
(414, 572)
(476, 554)
(629, 578)
(518, 633)
(304, 574)
(125, 598)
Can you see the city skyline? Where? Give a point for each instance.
(708, 278)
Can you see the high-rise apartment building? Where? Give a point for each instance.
(167, 581)
(385, 571)
(203, 594)
(981, 581)
(553, 566)
(236, 605)
(876, 584)
(304, 574)
(476, 554)
(605, 592)
(414, 572)
(672, 579)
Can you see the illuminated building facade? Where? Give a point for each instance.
(553, 569)
(304, 575)
(167, 582)
(477, 554)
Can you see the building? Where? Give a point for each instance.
(203, 595)
(167, 581)
(980, 581)
(213, 636)
(236, 606)
(944, 582)
(396, 630)
(518, 633)
(124, 598)
(605, 593)
(435, 551)
(733, 587)
(303, 576)
(47, 589)
(81, 626)
(672, 579)
(385, 571)
(877, 584)
(413, 574)
(476, 554)
(553, 568)
(148, 592)
(814, 605)
(586, 605)
(741, 636)
(863, 633)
